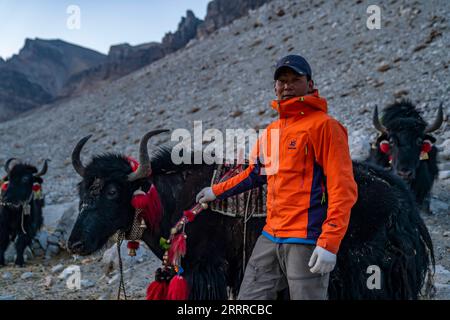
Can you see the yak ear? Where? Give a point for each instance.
(38, 180)
(429, 137)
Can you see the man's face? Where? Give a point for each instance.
(290, 84)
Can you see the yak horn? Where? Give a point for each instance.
(43, 170)
(145, 169)
(76, 161)
(376, 122)
(8, 163)
(437, 122)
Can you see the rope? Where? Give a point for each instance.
(24, 212)
(246, 219)
(135, 233)
(120, 238)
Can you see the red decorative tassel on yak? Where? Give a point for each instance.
(177, 248)
(133, 163)
(157, 290)
(132, 247)
(178, 289)
(384, 146)
(150, 205)
(426, 146)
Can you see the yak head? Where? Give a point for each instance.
(18, 184)
(106, 190)
(405, 136)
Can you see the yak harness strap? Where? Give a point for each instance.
(26, 206)
(169, 282)
(133, 236)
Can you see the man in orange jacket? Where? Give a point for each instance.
(309, 197)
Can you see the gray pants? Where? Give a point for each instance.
(273, 267)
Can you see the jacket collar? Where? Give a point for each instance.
(304, 105)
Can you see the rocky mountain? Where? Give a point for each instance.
(18, 94)
(39, 72)
(222, 12)
(57, 69)
(122, 59)
(51, 62)
(186, 31)
(226, 82)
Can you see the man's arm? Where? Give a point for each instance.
(333, 155)
(246, 180)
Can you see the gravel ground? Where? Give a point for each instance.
(226, 81)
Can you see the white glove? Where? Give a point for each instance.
(206, 195)
(322, 261)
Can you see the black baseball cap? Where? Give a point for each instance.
(294, 62)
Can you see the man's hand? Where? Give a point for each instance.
(206, 195)
(322, 261)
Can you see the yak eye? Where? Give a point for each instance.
(111, 192)
(25, 179)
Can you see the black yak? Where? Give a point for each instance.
(20, 207)
(385, 228)
(405, 145)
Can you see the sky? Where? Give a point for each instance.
(102, 23)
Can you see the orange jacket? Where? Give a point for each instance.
(310, 196)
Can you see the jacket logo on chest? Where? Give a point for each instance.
(292, 144)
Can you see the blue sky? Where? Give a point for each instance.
(103, 22)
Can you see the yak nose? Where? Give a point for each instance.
(76, 247)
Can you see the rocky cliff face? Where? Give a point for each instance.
(122, 59)
(18, 94)
(50, 63)
(186, 31)
(54, 68)
(39, 72)
(222, 12)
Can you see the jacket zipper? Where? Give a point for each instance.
(304, 165)
(324, 198)
(279, 160)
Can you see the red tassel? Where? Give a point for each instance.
(177, 248)
(190, 216)
(5, 186)
(384, 146)
(427, 146)
(157, 290)
(151, 207)
(178, 289)
(139, 201)
(133, 163)
(132, 247)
